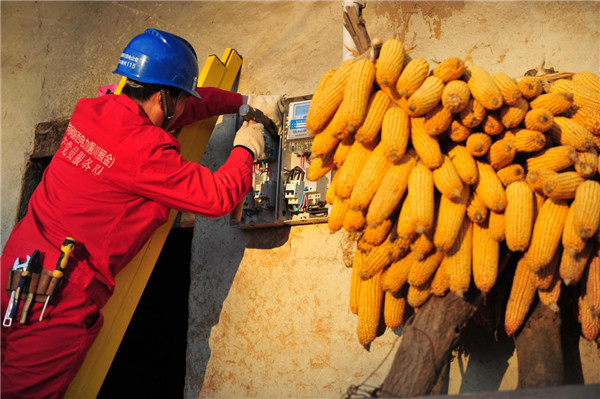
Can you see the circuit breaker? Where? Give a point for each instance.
(281, 194)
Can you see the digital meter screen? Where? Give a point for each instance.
(297, 115)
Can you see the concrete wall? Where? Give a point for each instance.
(269, 308)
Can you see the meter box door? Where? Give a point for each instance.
(281, 194)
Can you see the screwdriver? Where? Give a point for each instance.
(33, 270)
(65, 252)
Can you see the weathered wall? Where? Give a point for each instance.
(269, 308)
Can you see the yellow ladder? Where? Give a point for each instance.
(132, 280)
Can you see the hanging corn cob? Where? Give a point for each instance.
(434, 169)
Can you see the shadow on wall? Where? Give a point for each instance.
(217, 252)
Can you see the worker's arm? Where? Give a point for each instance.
(187, 186)
(214, 102)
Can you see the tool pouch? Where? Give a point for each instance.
(42, 284)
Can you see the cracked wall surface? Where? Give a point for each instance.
(269, 308)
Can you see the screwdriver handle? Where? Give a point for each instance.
(67, 248)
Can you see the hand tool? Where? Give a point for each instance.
(21, 286)
(66, 250)
(250, 115)
(7, 322)
(34, 271)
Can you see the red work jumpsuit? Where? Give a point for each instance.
(109, 186)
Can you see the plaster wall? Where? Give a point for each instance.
(269, 308)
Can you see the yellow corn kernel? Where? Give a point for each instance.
(544, 277)
(526, 140)
(539, 119)
(450, 69)
(389, 63)
(395, 133)
(562, 185)
(492, 124)
(587, 163)
(483, 88)
(377, 259)
(571, 240)
(369, 309)
(368, 132)
(518, 216)
(426, 97)
(554, 158)
(342, 151)
(464, 163)
(335, 221)
(455, 96)
(586, 218)
(586, 117)
(458, 132)
(405, 227)
(450, 219)
(512, 115)
(395, 277)
(511, 173)
(521, 297)
(447, 180)
(350, 170)
(354, 220)
(490, 188)
(318, 93)
(508, 87)
(583, 96)
(478, 144)
(326, 102)
(530, 87)
(422, 245)
(477, 211)
(486, 252)
(588, 79)
(325, 142)
(320, 166)
(472, 115)
(417, 296)
(458, 260)
(391, 190)
(592, 285)
(412, 76)
(496, 226)
(437, 120)
(395, 309)
(426, 146)
(421, 190)
(357, 93)
(422, 271)
(441, 281)
(557, 103)
(572, 267)
(590, 324)
(501, 153)
(547, 232)
(370, 178)
(355, 281)
(375, 235)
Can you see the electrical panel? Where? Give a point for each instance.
(281, 194)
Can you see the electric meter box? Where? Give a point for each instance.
(281, 194)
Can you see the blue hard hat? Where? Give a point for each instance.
(160, 58)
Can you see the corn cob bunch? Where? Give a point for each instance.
(445, 171)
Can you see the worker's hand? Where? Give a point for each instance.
(251, 137)
(271, 105)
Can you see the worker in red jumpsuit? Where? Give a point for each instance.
(110, 185)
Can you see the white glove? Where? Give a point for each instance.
(271, 105)
(251, 137)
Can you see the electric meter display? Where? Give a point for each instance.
(297, 118)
